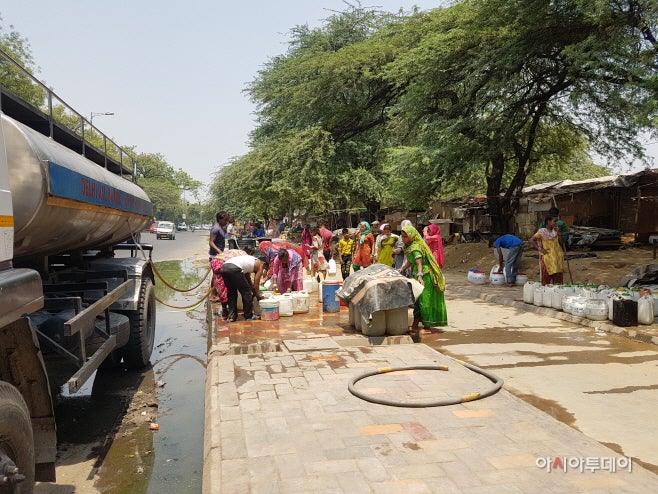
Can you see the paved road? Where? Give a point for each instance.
(603, 385)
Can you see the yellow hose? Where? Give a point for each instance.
(157, 273)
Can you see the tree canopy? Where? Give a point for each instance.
(374, 109)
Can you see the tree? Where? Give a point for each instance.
(321, 110)
(507, 75)
(11, 78)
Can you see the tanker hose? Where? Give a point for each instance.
(187, 308)
(157, 273)
(498, 383)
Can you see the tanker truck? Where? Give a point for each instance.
(70, 302)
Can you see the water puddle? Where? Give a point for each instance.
(111, 416)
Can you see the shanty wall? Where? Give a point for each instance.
(614, 208)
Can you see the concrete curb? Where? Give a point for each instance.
(606, 326)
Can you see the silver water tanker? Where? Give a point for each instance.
(64, 202)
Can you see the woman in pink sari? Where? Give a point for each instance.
(432, 235)
(287, 267)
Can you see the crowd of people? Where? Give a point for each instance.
(412, 254)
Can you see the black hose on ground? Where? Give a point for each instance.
(498, 383)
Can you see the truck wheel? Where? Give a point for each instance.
(16, 441)
(142, 328)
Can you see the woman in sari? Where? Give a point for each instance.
(430, 307)
(363, 247)
(550, 244)
(432, 236)
(216, 264)
(287, 267)
(306, 240)
(270, 250)
(385, 244)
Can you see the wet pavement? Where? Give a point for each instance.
(280, 418)
(105, 444)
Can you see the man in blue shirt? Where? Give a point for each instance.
(514, 246)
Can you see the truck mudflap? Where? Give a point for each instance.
(22, 366)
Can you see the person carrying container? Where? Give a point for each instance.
(511, 262)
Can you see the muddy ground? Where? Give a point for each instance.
(607, 267)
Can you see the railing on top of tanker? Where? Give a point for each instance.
(18, 83)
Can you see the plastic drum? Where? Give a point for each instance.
(330, 301)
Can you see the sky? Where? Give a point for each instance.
(173, 73)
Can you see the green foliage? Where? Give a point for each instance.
(18, 47)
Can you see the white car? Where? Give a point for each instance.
(165, 229)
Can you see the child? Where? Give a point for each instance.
(345, 247)
(318, 262)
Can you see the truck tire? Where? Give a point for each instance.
(142, 328)
(16, 441)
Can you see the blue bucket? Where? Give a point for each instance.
(330, 302)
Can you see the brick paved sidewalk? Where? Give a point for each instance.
(285, 422)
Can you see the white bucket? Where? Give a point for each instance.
(521, 279)
(476, 277)
(497, 279)
(300, 302)
(269, 309)
(285, 304)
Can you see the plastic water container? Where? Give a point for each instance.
(538, 296)
(376, 326)
(476, 277)
(285, 304)
(645, 309)
(397, 321)
(521, 279)
(547, 296)
(529, 291)
(300, 302)
(310, 285)
(556, 297)
(579, 305)
(624, 312)
(330, 301)
(496, 278)
(596, 310)
(269, 309)
(331, 270)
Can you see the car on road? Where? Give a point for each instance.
(153, 227)
(165, 229)
(181, 227)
